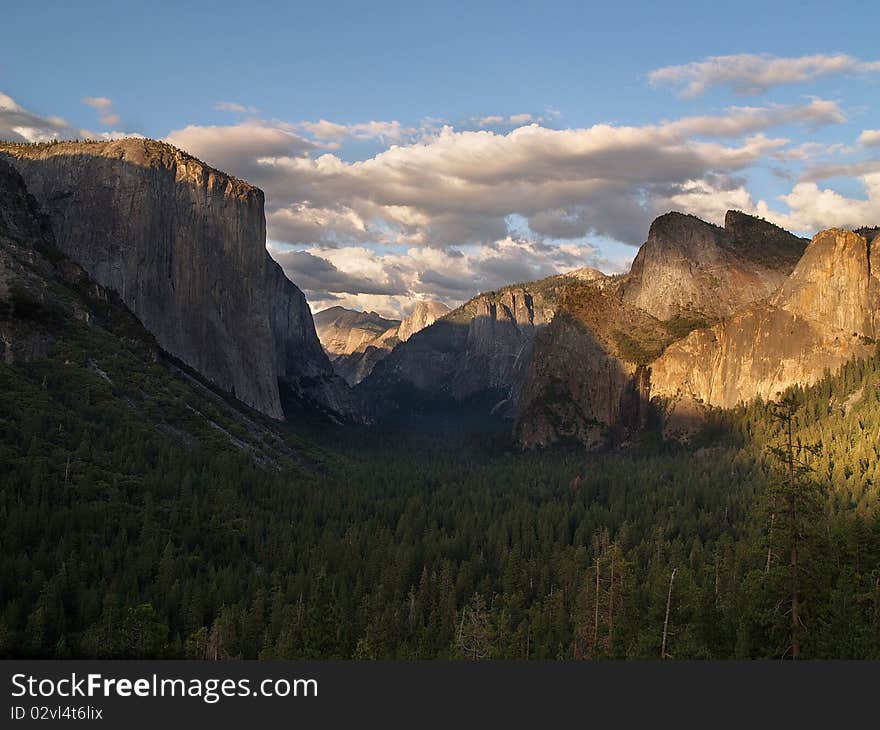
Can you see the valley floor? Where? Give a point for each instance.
(123, 539)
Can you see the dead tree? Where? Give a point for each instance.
(663, 653)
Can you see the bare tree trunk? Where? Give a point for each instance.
(795, 607)
(795, 588)
(611, 603)
(663, 654)
(770, 543)
(596, 614)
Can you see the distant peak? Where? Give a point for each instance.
(585, 273)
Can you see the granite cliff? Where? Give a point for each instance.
(688, 266)
(184, 247)
(356, 341)
(706, 315)
(482, 347)
(822, 315)
(570, 355)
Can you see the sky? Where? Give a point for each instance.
(435, 152)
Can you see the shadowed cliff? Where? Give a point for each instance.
(184, 247)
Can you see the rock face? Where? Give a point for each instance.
(423, 315)
(484, 346)
(184, 247)
(356, 341)
(688, 266)
(24, 293)
(824, 314)
(595, 368)
(587, 372)
(345, 331)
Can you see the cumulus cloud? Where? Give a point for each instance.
(238, 148)
(17, 124)
(455, 188)
(389, 282)
(750, 74)
(870, 138)
(813, 207)
(104, 107)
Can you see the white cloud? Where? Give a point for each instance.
(392, 131)
(389, 282)
(17, 124)
(238, 148)
(455, 188)
(813, 208)
(870, 138)
(751, 74)
(514, 120)
(104, 107)
(490, 121)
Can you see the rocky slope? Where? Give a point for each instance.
(688, 266)
(484, 346)
(356, 341)
(822, 315)
(184, 247)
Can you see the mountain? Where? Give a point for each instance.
(604, 362)
(688, 266)
(569, 356)
(72, 352)
(345, 331)
(424, 314)
(824, 314)
(587, 372)
(356, 341)
(184, 247)
(706, 316)
(481, 348)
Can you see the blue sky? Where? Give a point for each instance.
(352, 229)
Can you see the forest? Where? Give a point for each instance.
(758, 539)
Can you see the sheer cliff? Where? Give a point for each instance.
(184, 247)
(822, 315)
(688, 266)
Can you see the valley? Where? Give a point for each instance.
(196, 466)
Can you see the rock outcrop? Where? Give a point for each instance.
(707, 316)
(587, 379)
(424, 314)
(482, 347)
(356, 341)
(824, 314)
(688, 266)
(184, 247)
(345, 331)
